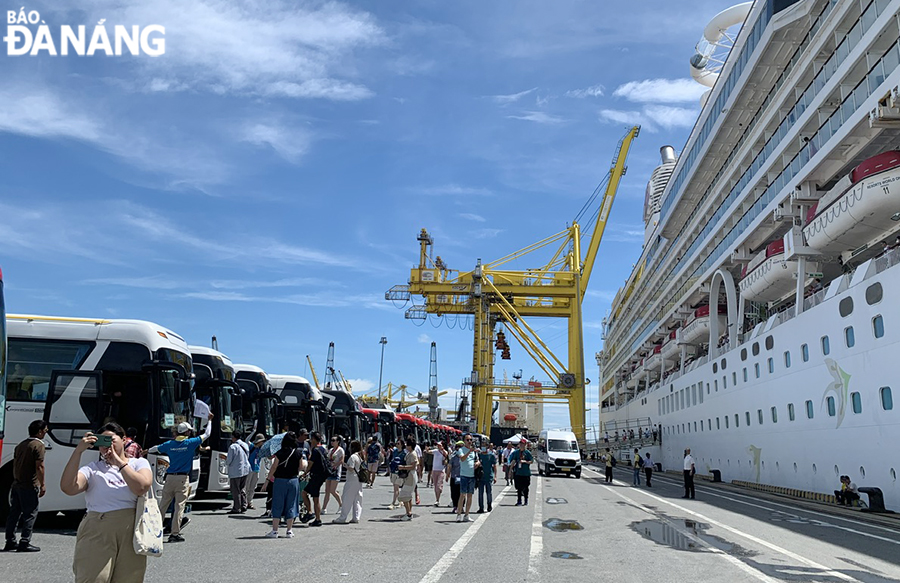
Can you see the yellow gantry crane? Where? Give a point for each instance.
(494, 295)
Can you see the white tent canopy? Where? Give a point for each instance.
(514, 439)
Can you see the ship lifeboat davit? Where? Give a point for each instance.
(653, 360)
(769, 277)
(862, 208)
(671, 350)
(696, 331)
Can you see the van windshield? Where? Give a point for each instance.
(562, 445)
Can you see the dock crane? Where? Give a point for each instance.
(493, 295)
(312, 370)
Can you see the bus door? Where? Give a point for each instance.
(218, 395)
(73, 405)
(172, 399)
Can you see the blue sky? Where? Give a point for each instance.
(266, 178)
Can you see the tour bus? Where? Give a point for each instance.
(2, 365)
(557, 452)
(303, 403)
(214, 385)
(347, 420)
(260, 409)
(78, 374)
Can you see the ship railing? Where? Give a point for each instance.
(887, 260)
(814, 300)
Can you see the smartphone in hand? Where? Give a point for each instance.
(103, 441)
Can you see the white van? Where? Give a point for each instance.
(557, 452)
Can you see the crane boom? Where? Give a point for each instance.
(609, 195)
(312, 369)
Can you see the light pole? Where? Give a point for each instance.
(383, 341)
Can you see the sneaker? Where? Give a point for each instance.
(175, 538)
(10, 546)
(272, 534)
(480, 511)
(338, 521)
(391, 507)
(316, 523)
(437, 504)
(289, 534)
(324, 511)
(525, 503)
(25, 547)
(459, 517)
(489, 508)
(267, 514)
(306, 518)
(251, 507)
(406, 517)
(519, 503)
(354, 521)
(467, 519)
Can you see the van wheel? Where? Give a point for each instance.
(577, 475)
(540, 471)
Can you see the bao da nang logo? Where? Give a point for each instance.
(23, 39)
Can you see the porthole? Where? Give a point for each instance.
(837, 471)
(787, 359)
(849, 337)
(747, 416)
(878, 326)
(856, 402)
(874, 293)
(887, 400)
(809, 410)
(804, 352)
(755, 348)
(759, 416)
(791, 414)
(826, 345)
(795, 467)
(715, 368)
(737, 420)
(830, 403)
(743, 354)
(770, 343)
(862, 471)
(893, 474)
(724, 364)
(777, 467)
(815, 470)
(726, 422)
(771, 363)
(846, 307)
(774, 415)
(762, 465)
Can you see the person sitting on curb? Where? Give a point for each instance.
(848, 493)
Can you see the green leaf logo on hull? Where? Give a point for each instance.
(840, 387)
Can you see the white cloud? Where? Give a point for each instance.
(661, 91)
(360, 386)
(592, 91)
(603, 294)
(538, 117)
(424, 339)
(41, 113)
(454, 190)
(473, 217)
(485, 233)
(652, 117)
(507, 99)
(291, 143)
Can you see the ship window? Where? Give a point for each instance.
(695, 427)
(830, 403)
(700, 390)
(745, 374)
(809, 410)
(774, 415)
(846, 307)
(849, 337)
(756, 369)
(770, 343)
(874, 293)
(682, 399)
(659, 403)
(715, 368)
(726, 422)
(734, 378)
(887, 401)
(755, 348)
(791, 414)
(878, 326)
(759, 416)
(787, 359)
(724, 382)
(804, 352)
(856, 402)
(826, 346)
(737, 420)
(771, 363)
(716, 385)
(724, 364)
(747, 418)
(709, 424)
(718, 424)
(707, 388)
(743, 354)
(694, 394)
(701, 425)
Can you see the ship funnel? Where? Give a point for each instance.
(667, 153)
(715, 45)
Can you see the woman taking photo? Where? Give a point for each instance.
(336, 457)
(286, 488)
(104, 545)
(353, 488)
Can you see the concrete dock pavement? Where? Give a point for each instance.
(572, 530)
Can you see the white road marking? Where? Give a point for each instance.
(537, 535)
(435, 573)
(733, 560)
(755, 503)
(808, 562)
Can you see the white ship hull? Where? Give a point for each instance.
(806, 454)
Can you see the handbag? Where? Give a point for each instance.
(363, 472)
(148, 526)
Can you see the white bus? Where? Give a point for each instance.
(215, 385)
(261, 411)
(80, 373)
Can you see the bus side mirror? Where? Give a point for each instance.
(279, 411)
(183, 390)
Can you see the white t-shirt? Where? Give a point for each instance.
(437, 464)
(106, 488)
(419, 455)
(688, 462)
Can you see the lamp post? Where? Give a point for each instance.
(383, 341)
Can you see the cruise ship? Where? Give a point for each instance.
(757, 327)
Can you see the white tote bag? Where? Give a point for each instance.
(148, 526)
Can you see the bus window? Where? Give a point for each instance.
(32, 360)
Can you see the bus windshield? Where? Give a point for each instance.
(562, 445)
(174, 402)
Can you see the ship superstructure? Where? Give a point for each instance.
(758, 325)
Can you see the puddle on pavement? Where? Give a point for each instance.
(564, 555)
(665, 533)
(560, 525)
(557, 501)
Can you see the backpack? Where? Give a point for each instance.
(326, 461)
(613, 460)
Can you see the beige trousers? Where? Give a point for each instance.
(104, 549)
(176, 488)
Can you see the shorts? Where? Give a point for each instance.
(373, 467)
(314, 488)
(334, 478)
(466, 485)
